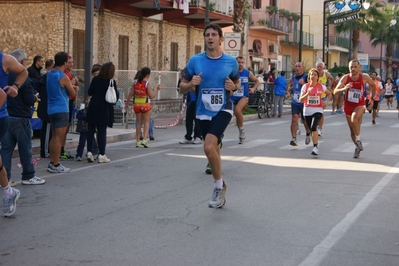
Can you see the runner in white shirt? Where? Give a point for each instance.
(311, 96)
(389, 93)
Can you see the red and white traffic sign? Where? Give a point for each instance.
(232, 41)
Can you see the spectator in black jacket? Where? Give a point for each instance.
(45, 132)
(19, 129)
(35, 68)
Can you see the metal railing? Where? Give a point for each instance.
(167, 96)
(273, 21)
(308, 38)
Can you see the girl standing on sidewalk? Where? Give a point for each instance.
(142, 92)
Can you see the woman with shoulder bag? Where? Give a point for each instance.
(100, 113)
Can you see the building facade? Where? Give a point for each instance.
(129, 36)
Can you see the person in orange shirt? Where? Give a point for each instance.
(378, 90)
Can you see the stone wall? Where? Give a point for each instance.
(46, 28)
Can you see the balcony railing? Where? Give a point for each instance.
(307, 40)
(219, 6)
(342, 42)
(261, 18)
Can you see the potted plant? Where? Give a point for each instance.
(262, 22)
(212, 6)
(284, 13)
(271, 9)
(295, 17)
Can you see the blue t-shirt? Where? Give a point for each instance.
(3, 83)
(191, 97)
(212, 97)
(281, 86)
(243, 91)
(296, 91)
(397, 90)
(57, 96)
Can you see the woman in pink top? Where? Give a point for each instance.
(313, 105)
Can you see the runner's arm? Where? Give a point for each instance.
(341, 85)
(254, 79)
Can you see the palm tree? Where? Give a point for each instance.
(386, 32)
(240, 15)
(361, 24)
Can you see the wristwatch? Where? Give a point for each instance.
(16, 85)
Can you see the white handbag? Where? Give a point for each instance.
(110, 95)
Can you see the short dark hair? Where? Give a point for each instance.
(37, 58)
(49, 63)
(282, 73)
(216, 27)
(95, 68)
(60, 59)
(107, 71)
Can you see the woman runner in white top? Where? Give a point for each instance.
(389, 93)
(311, 94)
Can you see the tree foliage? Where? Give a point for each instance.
(373, 14)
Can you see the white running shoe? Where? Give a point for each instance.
(197, 141)
(10, 202)
(90, 157)
(103, 159)
(307, 139)
(58, 169)
(241, 136)
(315, 151)
(34, 181)
(186, 141)
(218, 197)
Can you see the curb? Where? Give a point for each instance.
(118, 135)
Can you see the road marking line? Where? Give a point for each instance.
(252, 144)
(251, 122)
(347, 147)
(320, 252)
(334, 124)
(274, 123)
(301, 146)
(393, 150)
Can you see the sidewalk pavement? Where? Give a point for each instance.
(122, 133)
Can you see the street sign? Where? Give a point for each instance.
(345, 18)
(364, 61)
(232, 41)
(233, 53)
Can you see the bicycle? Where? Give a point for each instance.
(265, 103)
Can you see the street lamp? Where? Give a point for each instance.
(207, 22)
(301, 33)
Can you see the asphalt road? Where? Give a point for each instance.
(284, 206)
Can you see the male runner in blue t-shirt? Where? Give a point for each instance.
(59, 87)
(212, 75)
(298, 79)
(240, 96)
